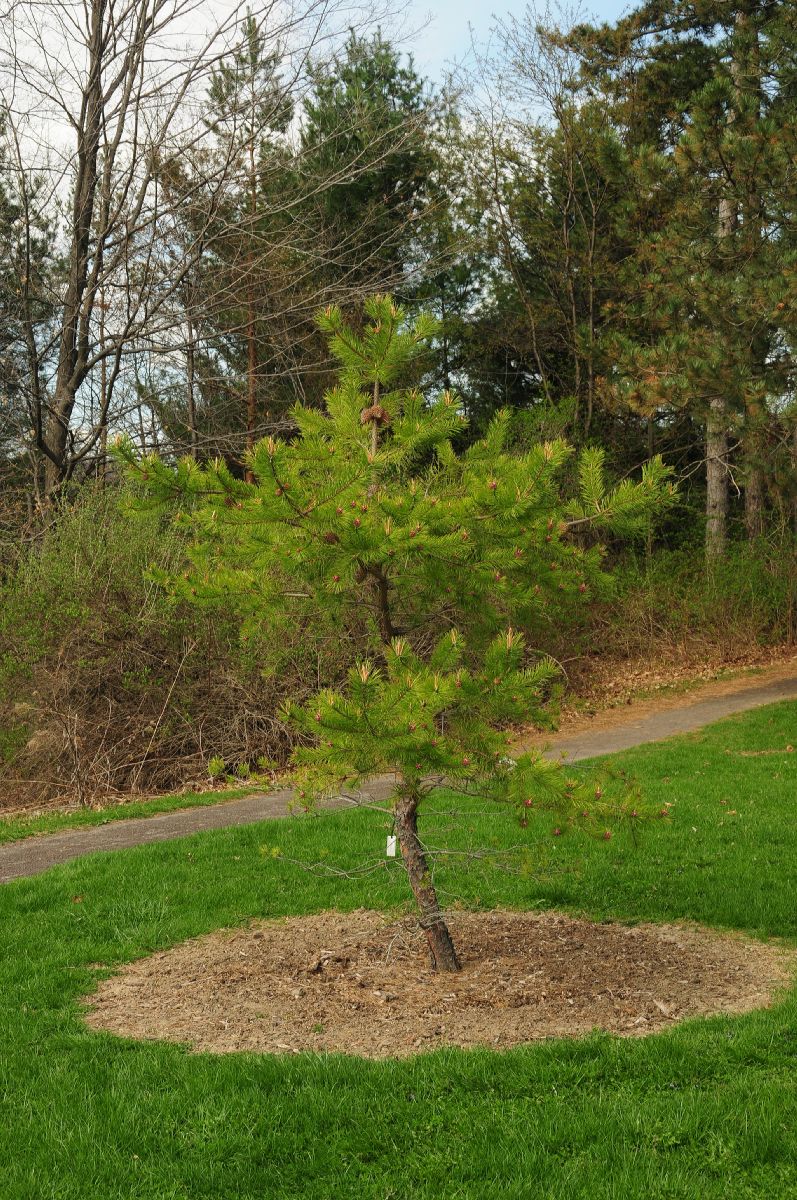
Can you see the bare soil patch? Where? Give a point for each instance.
(359, 983)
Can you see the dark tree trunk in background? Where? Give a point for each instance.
(251, 381)
(190, 379)
(716, 480)
(717, 421)
(754, 502)
(794, 469)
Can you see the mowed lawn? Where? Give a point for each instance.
(706, 1110)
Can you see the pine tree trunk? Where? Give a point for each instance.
(251, 382)
(717, 438)
(748, 81)
(794, 476)
(717, 422)
(754, 503)
(191, 396)
(251, 326)
(754, 449)
(716, 480)
(441, 948)
(57, 440)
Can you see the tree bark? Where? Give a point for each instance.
(193, 432)
(717, 435)
(794, 475)
(717, 420)
(382, 587)
(251, 381)
(251, 311)
(73, 340)
(716, 480)
(102, 461)
(754, 502)
(442, 954)
(748, 80)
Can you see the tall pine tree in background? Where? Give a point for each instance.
(562, 217)
(450, 257)
(368, 130)
(235, 195)
(248, 112)
(560, 235)
(29, 279)
(709, 318)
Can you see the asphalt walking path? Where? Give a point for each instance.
(639, 723)
(647, 722)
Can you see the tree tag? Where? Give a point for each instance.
(391, 845)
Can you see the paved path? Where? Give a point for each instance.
(654, 726)
(37, 854)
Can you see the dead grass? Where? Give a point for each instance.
(600, 686)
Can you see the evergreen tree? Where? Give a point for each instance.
(709, 298)
(367, 127)
(452, 260)
(249, 113)
(446, 556)
(561, 234)
(28, 275)
(244, 305)
(292, 223)
(563, 215)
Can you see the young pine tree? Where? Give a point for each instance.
(371, 511)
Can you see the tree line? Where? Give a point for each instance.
(602, 219)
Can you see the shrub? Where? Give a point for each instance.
(747, 600)
(108, 685)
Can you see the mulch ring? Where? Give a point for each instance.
(359, 983)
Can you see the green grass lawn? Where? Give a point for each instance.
(706, 1110)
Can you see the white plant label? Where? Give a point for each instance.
(391, 845)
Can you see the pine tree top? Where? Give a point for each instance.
(372, 503)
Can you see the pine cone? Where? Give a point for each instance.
(376, 415)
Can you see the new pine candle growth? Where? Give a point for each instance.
(437, 555)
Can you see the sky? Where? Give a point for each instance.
(447, 38)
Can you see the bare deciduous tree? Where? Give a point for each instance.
(100, 99)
